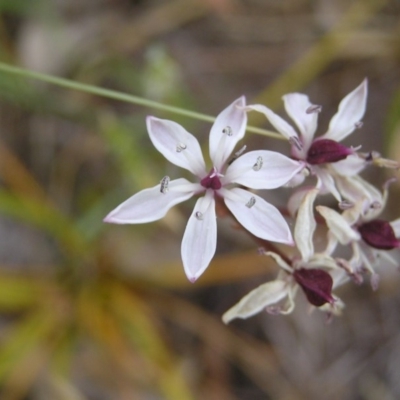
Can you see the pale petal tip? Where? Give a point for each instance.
(108, 219)
(192, 279)
(226, 318)
(241, 101)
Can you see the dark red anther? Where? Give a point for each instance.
(379, 234)
(211, 181)
(327, 151)
(316, 284)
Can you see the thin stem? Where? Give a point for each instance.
(113, 94)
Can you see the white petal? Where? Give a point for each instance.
(396, 227)
(280, 261)
(290, 304)
(296, 198)
(229, 127)
(257, 300)
(296, 105)
(350, 166)
(356, 189)
(261, 219)
(177, 145)
(276, 121)
(351, 110)
(150, 204)
(262, 169)
(326, 182)
(305, 226)
(200, 239)
(338, 225)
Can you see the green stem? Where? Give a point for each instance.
(113, 94)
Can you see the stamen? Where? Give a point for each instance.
(251, 202)
(180, 147)
(259, 163)
(227, 131)
(164, 184)
(295, 141)
(358, 124)
(199, 215)
(261, 251)
(238, 153)
(345, 204)
(314, 108)
(376, 205)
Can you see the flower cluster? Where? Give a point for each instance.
(233, 178)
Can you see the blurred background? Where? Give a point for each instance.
(104, 312)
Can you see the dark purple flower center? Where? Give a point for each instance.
(316, 284)
(327, 151)
(211, 181)
(379, 234)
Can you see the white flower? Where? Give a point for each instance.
(324, 151)
(368, 236)
(307, 272)
(260, 169)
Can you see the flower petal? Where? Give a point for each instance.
(262, 169)
(276, 121)
(200, 239)
(352, 165)
(262, 219)
(305, 226)
(151, 204)
(338, 225)
(176, 144)
(396, 227)
(229, 127)
(297, 106)
(257, 300)
(350, 112)
(296, 198)
(356, 189)
(326, 182)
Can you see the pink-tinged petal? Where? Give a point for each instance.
(176, 144)
(262, 169)
(305, 226)
(200, 239)
(257, 300)
(351, 111)
(326, 183)
(260, 218)
(276, 121)
(151, 204)
(302, 112)
(229, 127)
(352, 165)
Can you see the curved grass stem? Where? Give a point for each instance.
(113, 94)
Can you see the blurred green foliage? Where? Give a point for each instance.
(110, 311)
